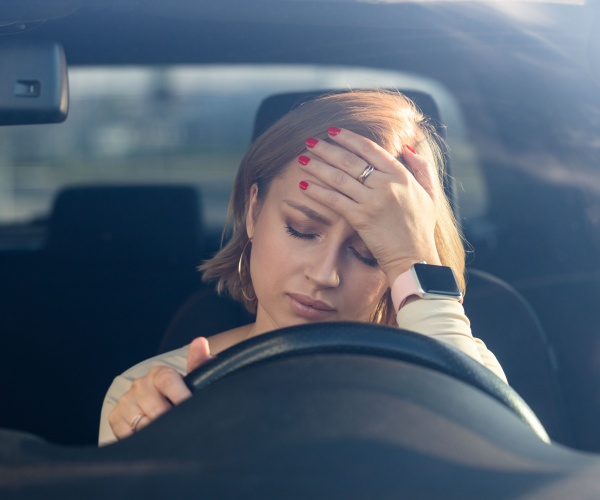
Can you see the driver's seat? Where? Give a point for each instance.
(504, 320)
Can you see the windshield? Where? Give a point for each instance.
(180, 124)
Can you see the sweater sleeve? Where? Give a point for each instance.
(175, 359)
(445, 320)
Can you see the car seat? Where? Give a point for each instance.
(118, 262)
(506, 322)
(141, 224)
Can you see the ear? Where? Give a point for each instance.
(252, 211)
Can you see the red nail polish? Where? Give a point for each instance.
(333, 131)
(303, 185)
(311, 143)
(410, 149)
(303, 160)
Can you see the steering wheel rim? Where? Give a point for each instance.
(367, 339)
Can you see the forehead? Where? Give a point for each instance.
(285, 187)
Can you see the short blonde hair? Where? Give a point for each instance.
(388, 118)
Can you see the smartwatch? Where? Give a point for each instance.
(427, 282)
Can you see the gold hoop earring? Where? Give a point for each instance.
(240, 266)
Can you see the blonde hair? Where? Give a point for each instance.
(388, 118)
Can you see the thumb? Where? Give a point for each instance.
(198, 353)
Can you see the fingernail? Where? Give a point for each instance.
(303, 185)
(311, 143)
(410, 149)
(303, 160)
(333, 131)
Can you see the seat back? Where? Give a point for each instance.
(504, 320)
(158, 225)
(204, 314)
(119, 261)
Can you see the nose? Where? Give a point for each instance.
(323, 269)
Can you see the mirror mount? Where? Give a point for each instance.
(33, 83)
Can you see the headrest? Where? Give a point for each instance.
(139, 224)
(275, 106)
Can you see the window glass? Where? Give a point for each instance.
(182, 124)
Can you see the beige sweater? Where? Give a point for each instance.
(443, 320)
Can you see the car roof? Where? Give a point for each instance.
(237, 31)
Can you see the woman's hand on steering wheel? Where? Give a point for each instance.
(155, 393)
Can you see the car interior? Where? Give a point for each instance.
(115, 188)
(100, 252)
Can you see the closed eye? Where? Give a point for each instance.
(297, 234)
(369, 261)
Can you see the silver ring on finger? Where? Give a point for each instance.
(365, 174)
(135, 421)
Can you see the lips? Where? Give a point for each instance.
(309, 302)
(309, 308)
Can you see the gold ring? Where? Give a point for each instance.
(365, 174)
(136, 421)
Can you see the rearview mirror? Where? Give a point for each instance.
(33, 83)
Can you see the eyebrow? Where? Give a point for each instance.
(309, 212)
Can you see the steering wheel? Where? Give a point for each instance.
(363, 339)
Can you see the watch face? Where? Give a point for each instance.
(437, 279)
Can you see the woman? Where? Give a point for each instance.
(331, 208)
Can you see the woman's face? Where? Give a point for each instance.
(307, 263)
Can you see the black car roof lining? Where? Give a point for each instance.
(28, 11)
(405, 15)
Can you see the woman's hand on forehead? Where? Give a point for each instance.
(392, 210)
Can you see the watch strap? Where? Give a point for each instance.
(403, 287)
